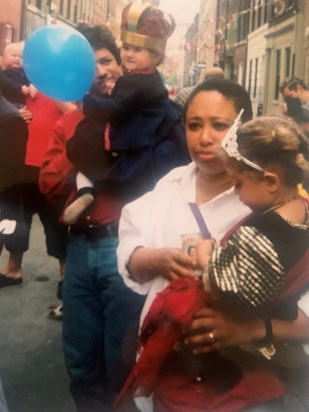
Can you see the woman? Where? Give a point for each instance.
(150, 254)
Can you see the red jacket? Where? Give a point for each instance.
(45, 112)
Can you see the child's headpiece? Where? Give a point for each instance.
(230, 145)
(144, 25)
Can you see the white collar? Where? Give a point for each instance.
(187, 182)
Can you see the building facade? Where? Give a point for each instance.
(258, 43)
(19, 18)
(11, 21)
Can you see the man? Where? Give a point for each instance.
(296, 88)
(101, 315)
(296, 96)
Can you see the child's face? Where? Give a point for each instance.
(12, 59)
(251, 188)
(137, 59)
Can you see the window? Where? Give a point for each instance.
(250, 77)
(253, 17)
(243, 21)
(293, 65)
(287, 61)
(277, 74)
(255, 77)
(69, 9)
(75, 13)
(8, 34)
(265, 11)
(259, 13)
(38, 4)
(61, 7)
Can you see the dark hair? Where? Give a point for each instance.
(231, 91)
(292, 84)
(100, 37)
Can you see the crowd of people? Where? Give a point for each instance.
(118, 181)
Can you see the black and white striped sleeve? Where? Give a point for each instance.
(246, 270)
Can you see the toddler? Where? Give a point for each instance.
(133, 119)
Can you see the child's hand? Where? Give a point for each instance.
(25, 90)
(108, 86)
(25, 114)
(203, 251)
(33, 91)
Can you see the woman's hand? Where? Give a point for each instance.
(146, 264)
(212, 329)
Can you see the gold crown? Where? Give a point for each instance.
(144, 25)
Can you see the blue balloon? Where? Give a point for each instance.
(59, 62)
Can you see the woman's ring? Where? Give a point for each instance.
(212, 337)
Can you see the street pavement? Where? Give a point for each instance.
(32, 370)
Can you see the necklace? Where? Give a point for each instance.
(277, 205)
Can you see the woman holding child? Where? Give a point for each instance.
(150, 255)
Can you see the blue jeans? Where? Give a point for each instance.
(100, 316)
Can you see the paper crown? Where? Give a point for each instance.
(230, 145)
(144, 25)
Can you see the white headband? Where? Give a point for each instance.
(230, 145)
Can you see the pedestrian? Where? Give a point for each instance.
(100, 314)
(150, 255)
(13, 140)
(296, 88)
(135, 118)
(40, 112)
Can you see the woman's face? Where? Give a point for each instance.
(208, 118)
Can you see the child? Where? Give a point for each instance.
(14, 72)
(250, 271)
(132, 117)
(268, 158)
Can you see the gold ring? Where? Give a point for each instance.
(212, 337)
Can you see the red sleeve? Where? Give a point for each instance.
(56, 178)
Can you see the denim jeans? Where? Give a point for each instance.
(100, 316)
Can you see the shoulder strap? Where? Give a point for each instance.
(200, 220)
(234, 228)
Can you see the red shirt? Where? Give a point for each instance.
(57, 176)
